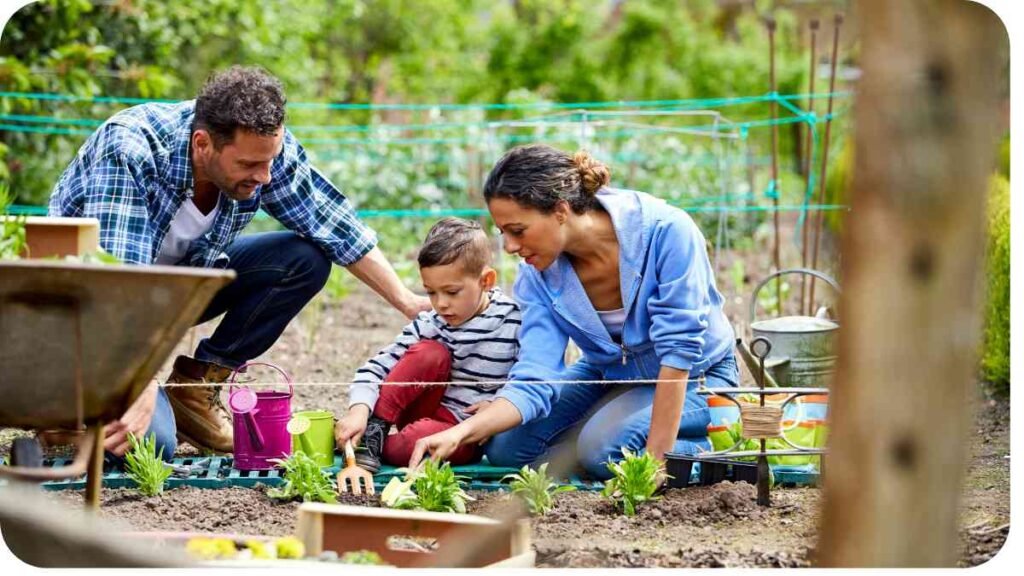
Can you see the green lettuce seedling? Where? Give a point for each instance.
(634, 480)
(435, 488)
(303, 478)
(145, 466)
(536, 488)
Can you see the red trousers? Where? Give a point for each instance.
(416, 409)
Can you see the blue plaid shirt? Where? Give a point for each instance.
(135, 171)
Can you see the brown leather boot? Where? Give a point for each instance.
(201, 417)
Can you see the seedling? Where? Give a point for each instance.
(536, 488)
(435, 488)
(368, 557)
(303, 478)
(635, 480)
(144, 466)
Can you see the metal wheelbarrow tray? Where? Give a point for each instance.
(80, 342)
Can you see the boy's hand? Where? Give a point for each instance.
(352, 425)
(479, 406)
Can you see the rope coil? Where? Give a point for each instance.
(761, 422)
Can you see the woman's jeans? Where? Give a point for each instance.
(607, 419)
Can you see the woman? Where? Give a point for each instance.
(627, 278)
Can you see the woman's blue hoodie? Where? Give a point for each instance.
(673, 310)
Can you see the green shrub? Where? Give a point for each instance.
(995, 358)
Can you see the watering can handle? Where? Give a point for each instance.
(753, 299)
(287, 378)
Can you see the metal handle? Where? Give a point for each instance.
(287, 378)
(753, 299)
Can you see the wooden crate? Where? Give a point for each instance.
(462, 541)
(53, 236)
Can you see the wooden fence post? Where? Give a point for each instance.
(913, 254)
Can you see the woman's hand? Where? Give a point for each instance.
(439, 446)
(478, 407)
(352, 425)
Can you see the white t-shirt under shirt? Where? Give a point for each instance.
(187, 225)
(613, 321)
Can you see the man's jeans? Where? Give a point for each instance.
(607, 418)
(278, 273)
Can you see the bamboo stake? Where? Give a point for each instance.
(807, 168)
(770, 23)
(824, 154)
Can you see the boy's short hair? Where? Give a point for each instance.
(455, 239)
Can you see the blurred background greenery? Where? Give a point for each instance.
(405, 104)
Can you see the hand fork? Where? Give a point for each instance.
(353, 473)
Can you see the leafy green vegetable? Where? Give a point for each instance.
(362, 557)
(635, 480)
(435, 488)
(303, 478)
(536, 488)
(144, 466)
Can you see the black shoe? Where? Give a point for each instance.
(372, 446)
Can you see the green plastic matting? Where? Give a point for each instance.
(219, 473)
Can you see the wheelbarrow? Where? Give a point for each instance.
(82, 341)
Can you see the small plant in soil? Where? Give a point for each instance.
(435, 488)
(303, 478)
(367, 557)
(145, 466)
(536, 488)
(634, 480)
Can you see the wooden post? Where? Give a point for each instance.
(927, 120)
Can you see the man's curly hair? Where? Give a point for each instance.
(239, 97)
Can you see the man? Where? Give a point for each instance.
(175, 184)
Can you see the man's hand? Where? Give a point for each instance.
(478, 407)
(136, 420)
(439, 446)
(415, 305)
(352, 425)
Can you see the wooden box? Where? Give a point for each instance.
(460, 540)
(54, 236)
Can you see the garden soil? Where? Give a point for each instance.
(715, 526)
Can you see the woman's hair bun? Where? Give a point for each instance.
(593, 174)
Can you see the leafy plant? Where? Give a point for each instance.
(634, 480)
(995, 356)
(145, 466)
(12, 228)
(367, 557)
(536, 488)
(435, 488)
(303, 478)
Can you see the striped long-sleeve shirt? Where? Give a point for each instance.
(483, 348)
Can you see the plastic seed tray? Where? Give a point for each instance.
(708, 471)
(218, 472)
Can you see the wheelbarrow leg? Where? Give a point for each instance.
(94, 477)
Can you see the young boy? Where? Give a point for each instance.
(470, 336)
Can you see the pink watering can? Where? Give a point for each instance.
(260, 421)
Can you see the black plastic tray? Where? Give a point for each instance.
(712, 470)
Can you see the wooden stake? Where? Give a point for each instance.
(927, 118)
